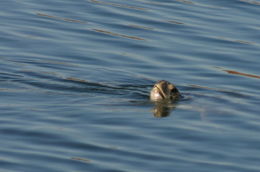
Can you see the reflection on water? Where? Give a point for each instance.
(75, 78)
(186, 2)
(237, 41)
(117, 34)
(60, 18)
(242, 74)
(118, 5)
(140, 27)
(163, 108)
(175, 22)
(251, 2)
(81, 159)
(96, 30)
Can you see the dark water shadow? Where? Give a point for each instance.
(6, 76)
(133, 92)
(55, 83)
(126, 94)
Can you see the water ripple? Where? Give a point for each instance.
(118, 5)
(75, 78)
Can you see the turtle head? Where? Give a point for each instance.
(164, 90)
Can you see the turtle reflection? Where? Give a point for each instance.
(163, 109)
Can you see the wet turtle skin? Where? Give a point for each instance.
(164, 90)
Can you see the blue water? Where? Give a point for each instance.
(75, 78)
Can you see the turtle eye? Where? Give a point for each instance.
(174, 90)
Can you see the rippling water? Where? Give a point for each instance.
(75, 78)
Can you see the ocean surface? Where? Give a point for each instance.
(75, 78)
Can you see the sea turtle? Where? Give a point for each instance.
(164, 90)
(163, 94)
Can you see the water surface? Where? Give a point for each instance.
(75, 78)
